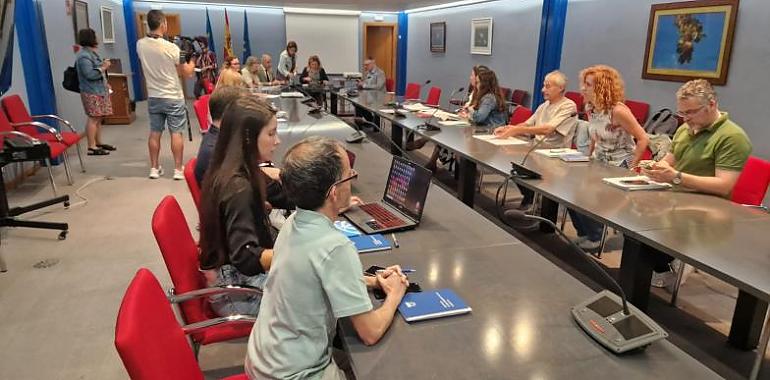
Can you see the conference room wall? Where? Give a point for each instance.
(599, 31)
(60, 38)
(19, 87)
(367, 17)
(516, 31)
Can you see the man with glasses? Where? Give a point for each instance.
(316, 275)
(707, 155)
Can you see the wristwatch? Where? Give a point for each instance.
(678, 179)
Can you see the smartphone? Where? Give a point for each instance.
(634, 182)
(412, 288)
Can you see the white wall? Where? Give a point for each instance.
(515, 36)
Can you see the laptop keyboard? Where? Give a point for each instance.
(382, 217)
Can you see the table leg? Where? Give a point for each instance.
(397, 139)
(549, 209)
(761, 351)
(748, 318)
(636, 272)
(333, 101)
(466, 186)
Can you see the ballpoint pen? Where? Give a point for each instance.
(395, 241)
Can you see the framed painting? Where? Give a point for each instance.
(690, 40)
(108, 29)
(438, 37)
(80, 17)
(481, 36)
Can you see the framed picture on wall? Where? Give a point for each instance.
(438, 37)
(80, 17)
(108, 29)
(690, 40)
(481, 36)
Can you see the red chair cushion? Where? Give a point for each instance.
(17, 113)
(412, 91)
(434, 96)
(201, 107)
(752, 184)
(223, 333)
(520, 115)
(639, 109)
(518, 97)
(390, 85)
(192, 184)
(148, 337)
(70, 138)
(237, 377)
(56, 149)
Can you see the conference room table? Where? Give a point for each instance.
(579, 186)
(521, 323)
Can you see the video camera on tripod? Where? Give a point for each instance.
(189, 48)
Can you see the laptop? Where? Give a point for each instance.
(402, 204)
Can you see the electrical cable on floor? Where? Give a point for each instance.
(84, 200)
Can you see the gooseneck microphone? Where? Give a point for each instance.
(455, 92)
(519, 171)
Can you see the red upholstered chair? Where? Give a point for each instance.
(180, 253)
(208, 87)
(578, 99)
(412, 91)
(505, 92)
(20, 119)
(57, 149)
(148, 338)
(201, 107)
(390, 85)
(520, 114)
(434, 96)
(518, 97)
(752, 184)
(639, 109)
(192, 183)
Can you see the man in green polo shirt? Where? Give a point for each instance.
(709, 150)
(707, 155)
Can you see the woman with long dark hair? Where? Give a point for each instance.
(287, 63)
(236, 245)
(487, 108)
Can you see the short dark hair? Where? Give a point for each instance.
(220, 99)
(87, 38)
(155, 18)
(291, 44)
(310, 168)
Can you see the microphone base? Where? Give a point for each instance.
(519, 171)
(356, 138)
(602, 318)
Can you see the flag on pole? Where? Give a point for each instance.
(209, 32)
(228, 51)
(246, 42)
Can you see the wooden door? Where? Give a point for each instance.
(173, 21)
(380, 43)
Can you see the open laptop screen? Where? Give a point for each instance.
(407, 187)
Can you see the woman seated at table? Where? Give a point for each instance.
(250, 71)
(314, 76)
(236, 245)
(230, 78)
(613, 129)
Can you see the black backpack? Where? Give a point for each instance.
(71, 81)
(663, 122)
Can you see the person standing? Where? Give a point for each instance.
(205, 67)
(94, 91)
(287, 64)
(162, 69)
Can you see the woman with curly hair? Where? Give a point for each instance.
(616, 137)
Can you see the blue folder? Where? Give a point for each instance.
(431, 304)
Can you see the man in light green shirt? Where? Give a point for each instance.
(708, 151)
(316, 275)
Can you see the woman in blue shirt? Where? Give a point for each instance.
(94, 92)
(487, 107)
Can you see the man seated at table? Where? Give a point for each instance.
(316, 275)
(374, 77)
(554, 122)
(707, 155)
(265, 71)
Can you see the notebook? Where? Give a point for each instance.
(431, 304)
(636, 183)
(402, 204)
(493, 140)
(370, 243)
(575, 157)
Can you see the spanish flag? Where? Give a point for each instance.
(228, 52)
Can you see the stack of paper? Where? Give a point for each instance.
(556, 153)
(417, 107)
(454, 123)
(496, 141)
(294, 94)
(636, 183)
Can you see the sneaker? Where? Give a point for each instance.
(178, 174)
(663, 280)
(155, 173)
(590, 245)
(579, 240)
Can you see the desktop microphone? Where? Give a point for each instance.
(454, 93)
(616, 325)
(377, 127)
(519, 171)
(427, 126)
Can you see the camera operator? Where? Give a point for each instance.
(163, 64)
(205, 67)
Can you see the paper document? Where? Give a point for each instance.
(454, 123)
(389, 111)
(416, 107)
(493, 140)
(294, 94)
(636, 183)
(555, 153)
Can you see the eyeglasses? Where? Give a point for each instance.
(353, 175)
(689, 113)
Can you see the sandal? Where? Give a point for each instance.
(107, 146)
(97, 152)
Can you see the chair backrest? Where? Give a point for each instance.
(17, 112)
(390, 85)
(208, 87)
(505, 92)
(434, 96)
(520, 114)
(180, 253)
(639, 109)
(752, 184)
(192, 183)
(148, 337)
(577, 98)
(412, 91)
(201, 107)
(519, 97)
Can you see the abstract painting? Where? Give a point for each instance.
(689, 40)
